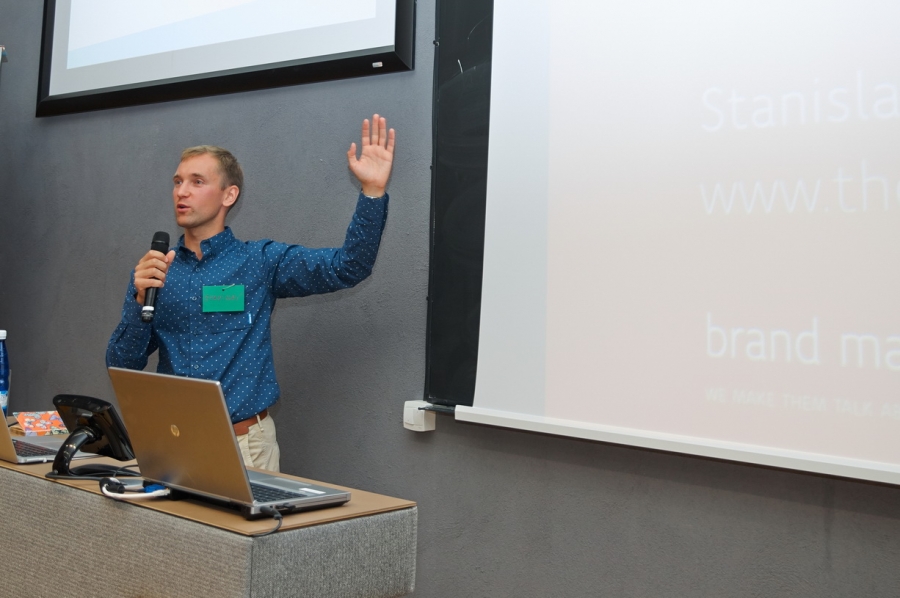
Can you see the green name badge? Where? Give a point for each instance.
(223, 298)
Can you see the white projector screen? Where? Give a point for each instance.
(110, 43)
(112, 51)
(691, 234)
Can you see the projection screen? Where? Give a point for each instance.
(692, 229)
(103, 53)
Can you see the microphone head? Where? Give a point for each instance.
(160, 242)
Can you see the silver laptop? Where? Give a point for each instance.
(182, 437)
(31, 449)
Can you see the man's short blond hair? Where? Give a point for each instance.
(229, 169)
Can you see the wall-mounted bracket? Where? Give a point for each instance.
(417, 416)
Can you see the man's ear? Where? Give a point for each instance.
(231, 196)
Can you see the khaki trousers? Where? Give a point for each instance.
(259, 447)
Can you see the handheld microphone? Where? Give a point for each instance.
(160, 243)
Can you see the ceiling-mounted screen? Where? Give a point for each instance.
(107, 53)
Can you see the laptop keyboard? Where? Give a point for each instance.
(268, 494)
(24, 449)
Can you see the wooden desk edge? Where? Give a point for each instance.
(361, 503)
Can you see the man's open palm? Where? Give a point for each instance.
(373, 167)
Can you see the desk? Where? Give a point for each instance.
(90, 545)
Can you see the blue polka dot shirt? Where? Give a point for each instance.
(235, 348)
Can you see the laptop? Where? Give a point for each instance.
(31, 449)
(182, 437)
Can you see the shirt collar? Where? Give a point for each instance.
(212, 246)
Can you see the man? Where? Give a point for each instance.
(216, 293)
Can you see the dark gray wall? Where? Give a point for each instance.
(502, 513)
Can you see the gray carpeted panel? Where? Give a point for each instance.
(89, 545)
(364, 557)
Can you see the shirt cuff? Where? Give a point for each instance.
(383, 196)
(131, 311)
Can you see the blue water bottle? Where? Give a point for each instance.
(4, 373)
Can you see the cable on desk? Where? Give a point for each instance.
(113, 488)
(278, 518)
(94, 472)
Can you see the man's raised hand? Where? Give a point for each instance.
(373, 167)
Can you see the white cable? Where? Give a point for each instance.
(135, 495)
(132, 495)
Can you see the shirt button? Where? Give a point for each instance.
(193, 298)
(196, 367)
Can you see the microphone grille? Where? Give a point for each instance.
(160, 242)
